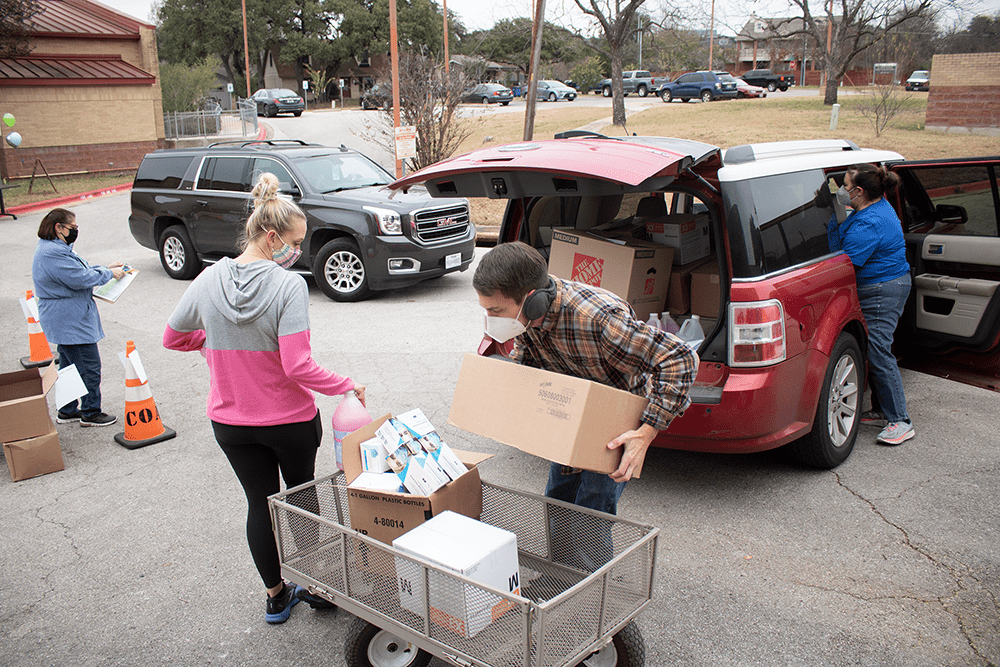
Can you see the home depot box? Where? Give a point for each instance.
(687, 232)
(385, 515)
(635, 270)
(483, 553)
(557, 417)
(679, 294)
(24, 412)
(32, 457)
(705, 290)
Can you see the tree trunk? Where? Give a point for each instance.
(617, 91)
(830, 93)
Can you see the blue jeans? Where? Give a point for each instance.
(580, 540)
(88, 363)
(882, 305)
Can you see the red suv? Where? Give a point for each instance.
(783, 360)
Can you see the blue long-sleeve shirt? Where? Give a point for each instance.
(64, 285)
(873, 239)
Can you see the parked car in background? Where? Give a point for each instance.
(272, 101)
(489, 93)
(744, 89)
(553, 91)
(705, 85)
(919, 80)
(378, 96)
(191, 205)
(640, 82)
(765, 78)
(782, 363)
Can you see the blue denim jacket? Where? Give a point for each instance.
(64, 285)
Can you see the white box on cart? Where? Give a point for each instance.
(484, 553)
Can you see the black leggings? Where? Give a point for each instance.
(257, 454)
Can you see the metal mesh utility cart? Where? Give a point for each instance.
(583, 577)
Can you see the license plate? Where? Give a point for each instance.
(451, 261)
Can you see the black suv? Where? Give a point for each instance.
(191, 205)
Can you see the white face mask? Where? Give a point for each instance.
(502, 329)
(843, 196)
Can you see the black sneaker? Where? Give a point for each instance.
(100, 419)
(279, 607)
(67, 417)
(873, 418)
(314, 601)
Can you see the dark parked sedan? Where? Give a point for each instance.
(489, 93)
(272, 101)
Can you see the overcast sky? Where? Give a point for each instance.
(480, 14)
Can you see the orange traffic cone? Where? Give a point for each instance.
(41, 354)
(142, 421)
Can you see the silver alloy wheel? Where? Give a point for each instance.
(173, 253)
(387, 650)
(842, 406)
(344, 271)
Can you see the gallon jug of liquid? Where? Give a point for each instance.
(653, 321)
(349, 416)
(668, 324)
(691, 332)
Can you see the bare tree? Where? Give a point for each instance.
(16, 26)
(617, 21)
(881, 103)
(861, 24)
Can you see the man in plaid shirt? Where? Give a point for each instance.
(586, 332)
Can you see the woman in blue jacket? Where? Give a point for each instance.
(64, 285)
(872, 237)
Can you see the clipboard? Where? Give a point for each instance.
(113, 289)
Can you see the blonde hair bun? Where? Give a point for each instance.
(266, 189)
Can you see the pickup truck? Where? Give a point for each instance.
(635, 81)
(765, 78)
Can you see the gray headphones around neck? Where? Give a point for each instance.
(537, 303)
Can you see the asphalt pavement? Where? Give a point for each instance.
(138, 557)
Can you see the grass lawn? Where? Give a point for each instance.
(41, 189)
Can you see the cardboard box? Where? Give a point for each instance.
(32, 457)
(484, 553)
(679, 294)
(24, 411)
(705, 290)
(687, 232)
(635, 270)
(432, 444)
(557, 417)
(385, 515)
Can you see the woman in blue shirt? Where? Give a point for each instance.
(872, 237)
(64, 285)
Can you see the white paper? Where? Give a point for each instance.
(114, 288)
(30, 309)
(137, 366)
(69, 386)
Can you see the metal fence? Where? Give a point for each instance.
(241, 121)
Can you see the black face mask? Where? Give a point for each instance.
(71, 236)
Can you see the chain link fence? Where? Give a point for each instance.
(213, 122)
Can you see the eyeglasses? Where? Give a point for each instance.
(69, 226)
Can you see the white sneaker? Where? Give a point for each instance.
(896, 433)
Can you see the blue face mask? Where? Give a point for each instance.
(285, 256)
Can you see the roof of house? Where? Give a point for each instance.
(84, 18)
(71, 70)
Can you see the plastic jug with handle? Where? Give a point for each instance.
(691, 332)
(349, 416)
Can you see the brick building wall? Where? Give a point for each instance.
(964, 94)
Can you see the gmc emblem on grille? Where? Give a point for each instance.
(447, 222)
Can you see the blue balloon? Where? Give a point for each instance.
(14, 139)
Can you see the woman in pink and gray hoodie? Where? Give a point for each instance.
(249, 318)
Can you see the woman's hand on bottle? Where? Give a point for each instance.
(359, 391)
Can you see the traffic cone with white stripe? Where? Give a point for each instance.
(142, 420)
(41, 353)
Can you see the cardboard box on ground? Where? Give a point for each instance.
(30, 440)
(556, 417)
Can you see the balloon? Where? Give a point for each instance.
(9, 119)
(14, 139)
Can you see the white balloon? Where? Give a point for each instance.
(14, 139)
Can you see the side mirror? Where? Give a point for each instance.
(952, 214)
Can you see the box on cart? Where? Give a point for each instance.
(24, 411)
(635, 270)
(484, 553)
(557, 417)
(385, 515)
(32, 457)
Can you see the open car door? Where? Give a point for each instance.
(951, 218)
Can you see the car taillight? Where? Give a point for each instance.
(756, 333)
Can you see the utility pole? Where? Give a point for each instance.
(394, 48)
(536, 57)
(246, 47)
(444, 5)
(711, 35)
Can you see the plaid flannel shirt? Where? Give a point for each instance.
(592, 334)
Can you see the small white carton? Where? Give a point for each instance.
(484, 553)
(431, 442)
(376, 481)
(373, 456)
(405, 457)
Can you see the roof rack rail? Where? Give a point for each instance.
(569, 134)
(753, 152)
(270, 142)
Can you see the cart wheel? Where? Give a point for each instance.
(368, 645)
(627, 649)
